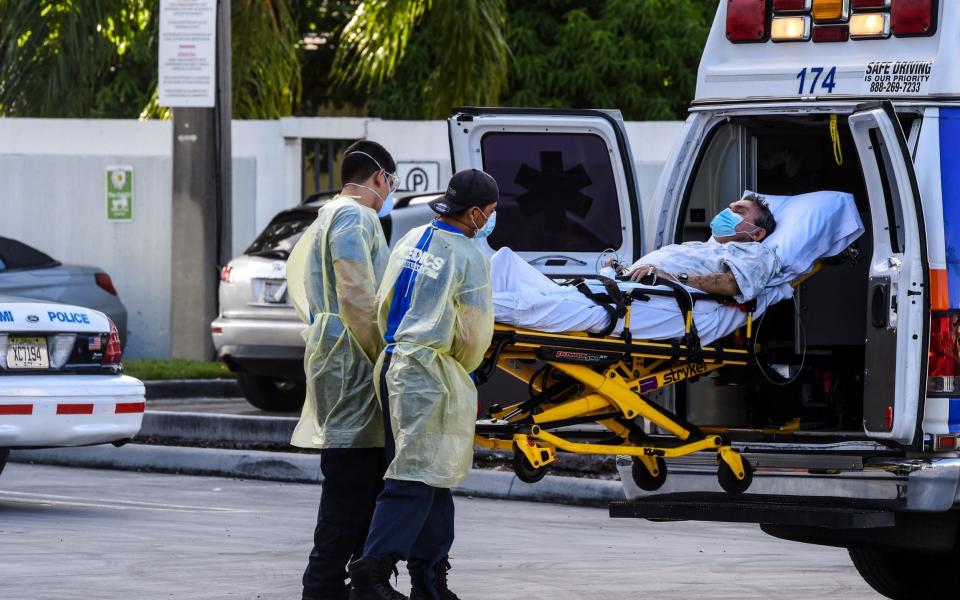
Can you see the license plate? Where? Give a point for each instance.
(275, 291)
(27, 353)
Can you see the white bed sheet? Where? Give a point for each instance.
(524, 297)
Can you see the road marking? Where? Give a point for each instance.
(59, 500)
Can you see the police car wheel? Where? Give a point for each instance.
(4, 455)
(647, 481)
(271, 393)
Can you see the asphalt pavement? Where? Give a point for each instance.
(69, 533)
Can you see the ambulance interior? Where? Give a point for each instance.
(817, 341)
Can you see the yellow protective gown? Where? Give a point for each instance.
(332, 277)
(435, 307)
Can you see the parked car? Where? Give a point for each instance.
(26, 271)
(257, 332)
(61, 381)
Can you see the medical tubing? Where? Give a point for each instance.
(803, 356)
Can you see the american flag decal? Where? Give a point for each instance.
(650, 383)
(94, 342)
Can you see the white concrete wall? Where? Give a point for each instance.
(52, 191)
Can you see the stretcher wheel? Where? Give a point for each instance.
(646, 480)
(526, 472)
(729, 482)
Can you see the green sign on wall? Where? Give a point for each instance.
(120, 193)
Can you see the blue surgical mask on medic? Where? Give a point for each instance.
(487, 228)
(387, 206)
(725, 223)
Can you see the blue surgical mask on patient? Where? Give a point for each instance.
(725, 223)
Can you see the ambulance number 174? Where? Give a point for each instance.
(815, 75)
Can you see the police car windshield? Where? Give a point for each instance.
(17, 255)
(280, 236)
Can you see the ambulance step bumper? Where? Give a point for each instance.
(762, 509)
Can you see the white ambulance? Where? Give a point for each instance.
(61, 381)
(860, 450)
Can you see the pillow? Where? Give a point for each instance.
(810, 227)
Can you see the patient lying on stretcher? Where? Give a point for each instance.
(734, 262)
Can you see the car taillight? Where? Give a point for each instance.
(103, 280)
(112, 352)
(943, 360)
(912, 17)
(746, 20)
(225, 271)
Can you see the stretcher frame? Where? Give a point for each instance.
(607, 381)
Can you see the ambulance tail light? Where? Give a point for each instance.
(945, 442)
(747, 21)
(112, 352)
(790, 29)
(830, 10)
(106, 284)
(943, 359)
(865, 26)
(870, 4)
(911, 18)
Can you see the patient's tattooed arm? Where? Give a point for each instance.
(723, 284)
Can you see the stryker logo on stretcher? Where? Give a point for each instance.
(685, 372)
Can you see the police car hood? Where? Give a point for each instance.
(19, 315)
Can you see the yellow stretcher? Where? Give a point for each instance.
(577, 378)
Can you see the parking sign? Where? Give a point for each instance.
(418, 176)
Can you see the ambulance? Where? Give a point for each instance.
(855, 445)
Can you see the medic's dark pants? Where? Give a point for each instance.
(412, 520)
(352, 479)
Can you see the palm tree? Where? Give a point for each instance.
(83, 58)
(469, 34)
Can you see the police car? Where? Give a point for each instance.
(61, 381)
(793, 96)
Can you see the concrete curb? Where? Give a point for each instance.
(257, 432)
(305, 468)
(206, 428)
(192, 388)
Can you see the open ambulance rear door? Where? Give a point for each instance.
(568, 189)
(897, 302)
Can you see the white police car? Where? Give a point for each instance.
(60, 378)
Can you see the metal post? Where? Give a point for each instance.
(201, 211)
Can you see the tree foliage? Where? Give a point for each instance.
(469, 66)
(98, 58)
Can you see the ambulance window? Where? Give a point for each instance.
(557, 192)
(891, 191)
(719, 180)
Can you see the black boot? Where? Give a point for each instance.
(421, 589)
(370, 579)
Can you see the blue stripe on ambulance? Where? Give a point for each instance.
(403, 291)
(950, 194)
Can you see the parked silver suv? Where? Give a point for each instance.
(257, 333)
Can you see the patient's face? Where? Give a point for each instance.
(746, 230)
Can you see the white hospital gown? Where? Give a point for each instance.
(753, 265)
